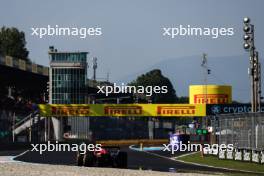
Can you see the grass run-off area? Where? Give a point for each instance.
(230, 164)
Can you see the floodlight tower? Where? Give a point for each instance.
(94, 68)
(206, 72)
(254, 70)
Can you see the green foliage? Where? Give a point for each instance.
(13, 43)
(182, 100)
(155, 78)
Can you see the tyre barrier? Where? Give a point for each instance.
(212, 151)
(255, 156)
(222, 154)
(246, 155)
(229, 155)
(262, 157)
(238, 155)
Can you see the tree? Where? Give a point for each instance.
(13, 43)
(155, 78)
(182, 100)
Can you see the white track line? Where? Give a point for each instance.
(11, 159)
(185, 162)
(14, 157)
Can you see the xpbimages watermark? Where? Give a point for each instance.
(147, 90)
(62, 147)
(81, 32)
(181, 147)
(188, 30)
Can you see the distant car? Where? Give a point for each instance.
(108, 156)
(175, 139)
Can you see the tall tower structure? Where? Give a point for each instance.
(67, 81)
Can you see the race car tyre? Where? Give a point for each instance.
(105, 160)
(89, 159)
(121, 160)
(79, 159)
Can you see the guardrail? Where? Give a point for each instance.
(145, 142)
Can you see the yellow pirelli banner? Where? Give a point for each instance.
(83, 110)
(213, 94)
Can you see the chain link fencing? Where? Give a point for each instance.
(244, 131)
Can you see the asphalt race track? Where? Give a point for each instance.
(136, 160)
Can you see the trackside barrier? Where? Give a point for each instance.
(262, 157)
(119, 110)
(238, 154)
(144, 142)
(255, 156)
(230, 155)
(245, 131)
(210, 151)
(246, 155)
(222, 154)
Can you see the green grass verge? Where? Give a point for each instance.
(231, 164)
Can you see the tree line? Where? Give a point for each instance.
(13, 43)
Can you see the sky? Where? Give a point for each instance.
(132, 30)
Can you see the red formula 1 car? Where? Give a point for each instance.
(107, 156)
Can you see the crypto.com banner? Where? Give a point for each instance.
(82, 110)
